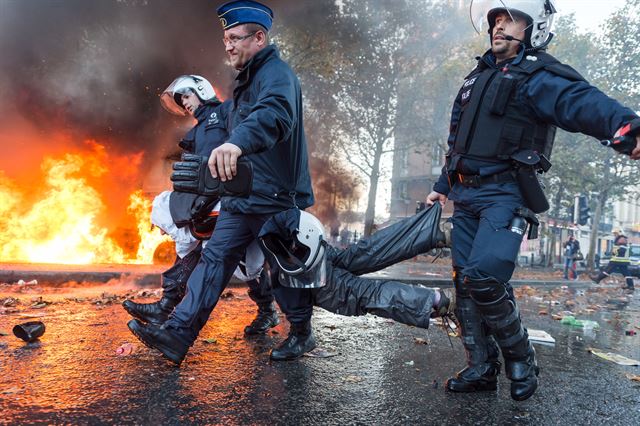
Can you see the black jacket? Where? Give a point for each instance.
(267, 125)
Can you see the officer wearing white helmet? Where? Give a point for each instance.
(503, 125)
(190, 219)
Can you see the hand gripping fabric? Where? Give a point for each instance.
(192, 175)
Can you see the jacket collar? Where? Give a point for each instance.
(256, 62)
(201, 111)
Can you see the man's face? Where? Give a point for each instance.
(241, 45)
(504, 26)
(190, 102)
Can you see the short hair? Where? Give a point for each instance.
(252, 28)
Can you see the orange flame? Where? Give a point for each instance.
(68, 222)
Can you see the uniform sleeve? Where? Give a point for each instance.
(272, 118)
(575, 106)
(442, 185)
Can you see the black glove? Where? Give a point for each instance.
(192, 175)
(626, 142)
(202, 206)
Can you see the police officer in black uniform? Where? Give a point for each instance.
(266, 129)
(502, 129)
(189, 221)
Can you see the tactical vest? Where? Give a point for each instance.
(620, 252)
(494, 123)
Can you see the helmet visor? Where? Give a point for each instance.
(172, 95)
(316, 277)
(479, 10)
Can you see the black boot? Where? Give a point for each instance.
(171, 346)
(300, 341)
(501, 315)
(153, 313)
(174, 283)
(629, 284)
(596, 278)
(483, 367)
(267, 318)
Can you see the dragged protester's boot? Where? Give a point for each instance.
(300, 341)
(168, 343)
(267, 318)
(152, 313)
(629, 284)
(446, 306)
(483, 367)
(174, 284)
(596, 278)
(500, 313)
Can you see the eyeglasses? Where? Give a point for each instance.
(233, 40)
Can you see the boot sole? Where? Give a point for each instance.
(488, 387)
(291, 358)
(174, 358)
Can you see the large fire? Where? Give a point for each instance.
(63, 218)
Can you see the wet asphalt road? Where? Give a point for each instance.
(379, 375)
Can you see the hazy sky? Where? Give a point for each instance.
(589, 13)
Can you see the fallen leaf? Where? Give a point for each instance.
(353, 379)
(227, 295)
(633, 377)
(543, 312)
(3, 333)
(420, 341)
(211, 341)
(39, 305)
(557, 317)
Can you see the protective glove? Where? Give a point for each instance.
(192, 175)
(625, 142)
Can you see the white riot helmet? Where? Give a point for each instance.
(302, 259)
(538, 13)
(171, 98)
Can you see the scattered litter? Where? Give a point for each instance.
(409, 363)
(556, 317)
(541, 336)
(543, 312)
(3, 333)
(618, 359)
(633, 377)
(33, 315)
(353, 379)
(630, 333)
(211, 341)
(420, 341)
(191, 379)
(126, 349)
(9, 302)
(29, 331)
(32, 282)
(586, 324)
(149, 293)
(320, 353)
(228, 295)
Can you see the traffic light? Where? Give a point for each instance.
(584, 213)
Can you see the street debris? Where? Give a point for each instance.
(125, 349)
(630, 333)
(541, 336)
(29, 331)
(211, 341)
(409, 363)
(22, 282)
(586, 324)
(420, 341)
(353, 379)
(3, 333)
(618, 359)
(228, 295)
(633, 377)
(320, 353)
